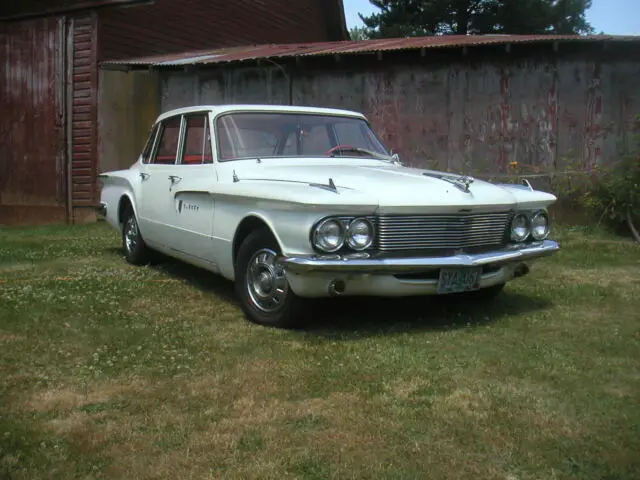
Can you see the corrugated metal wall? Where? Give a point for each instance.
(161, 27)
(549, 113)
(32, 123)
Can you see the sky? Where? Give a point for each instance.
(613, 17)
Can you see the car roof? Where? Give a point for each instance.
(219, 109)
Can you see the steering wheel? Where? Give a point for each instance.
(332, 150)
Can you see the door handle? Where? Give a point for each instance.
(174, 178)
(144, 175)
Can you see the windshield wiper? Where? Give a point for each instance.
(379, 156)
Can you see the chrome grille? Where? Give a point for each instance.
(418, 232)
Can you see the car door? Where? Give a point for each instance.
(139, 186)
(193, 205)
(159, 178)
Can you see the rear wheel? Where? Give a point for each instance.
(135, 250)
(262, 285)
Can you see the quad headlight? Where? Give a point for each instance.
(331, 234)
(532, 224)
(520, 228)
(360, 234)
(540, 226)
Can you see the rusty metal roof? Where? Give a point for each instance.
(261, 52)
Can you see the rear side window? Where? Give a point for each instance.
(167, 150)
(197, 141)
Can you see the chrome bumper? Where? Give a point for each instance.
(356, 263)
(101, 210)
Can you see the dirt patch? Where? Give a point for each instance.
(403, 389)
(10, 338)
(65, 399)
(463, 402)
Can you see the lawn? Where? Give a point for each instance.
(114, 371)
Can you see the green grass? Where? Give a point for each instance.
(113, 371)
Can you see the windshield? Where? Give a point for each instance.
(264, 135)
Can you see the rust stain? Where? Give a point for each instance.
(593, 121)
(311, 49)
(524, 116)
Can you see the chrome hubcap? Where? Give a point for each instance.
(266, 282)
(131, 234)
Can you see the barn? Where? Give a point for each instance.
(498, 107)
(49, 83)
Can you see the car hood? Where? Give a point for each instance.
(391, 187)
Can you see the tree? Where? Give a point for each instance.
(408, 18)
(358, 33)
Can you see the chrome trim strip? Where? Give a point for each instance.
(382, 264)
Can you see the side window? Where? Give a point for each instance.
(146, 152)
(167, 150)
(197, 141)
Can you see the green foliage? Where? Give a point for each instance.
(404, 18)
(613, 192)
(358, 33)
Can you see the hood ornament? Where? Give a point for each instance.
(465, 182)
(462, 182)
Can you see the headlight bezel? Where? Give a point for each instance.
(345, 222)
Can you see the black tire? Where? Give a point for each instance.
(259, 247)
(487, 294)
(136, 251)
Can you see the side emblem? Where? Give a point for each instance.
(187, 206)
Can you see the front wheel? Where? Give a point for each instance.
(262, 285)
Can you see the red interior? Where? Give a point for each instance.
(188, 159)
(196, 159)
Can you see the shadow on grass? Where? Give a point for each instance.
(363, 316)
(368, 316)
(193, 276)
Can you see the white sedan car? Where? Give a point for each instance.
(298, 202)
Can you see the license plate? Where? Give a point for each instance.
(456, 280)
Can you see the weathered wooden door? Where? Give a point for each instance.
(33, 186)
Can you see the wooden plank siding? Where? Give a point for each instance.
(83, 115)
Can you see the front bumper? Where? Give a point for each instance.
(319, 276)
(101, 211)
(359, 263)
